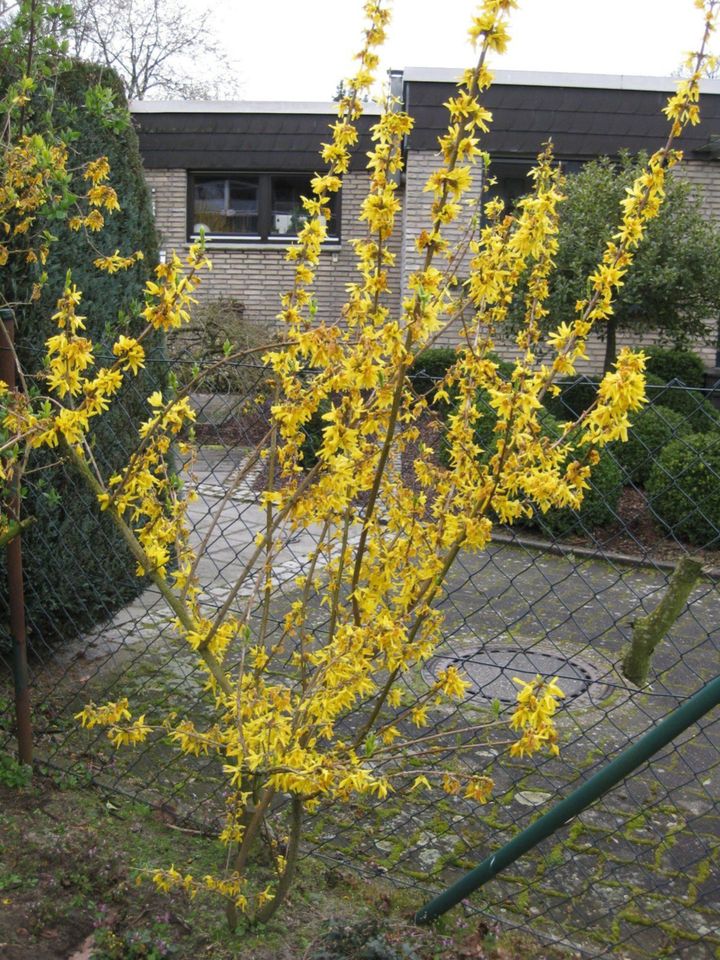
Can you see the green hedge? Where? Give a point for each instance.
(431, 365)
(667, 363)
(577, 395)
(684, 489)
(313, 430)
(77, 570)
(698, 413)
(599, 504)
(652, 429)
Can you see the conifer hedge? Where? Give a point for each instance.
(77, 570)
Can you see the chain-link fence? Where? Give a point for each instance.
(637, 874)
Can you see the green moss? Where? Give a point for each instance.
(522, 901)
(702, 873)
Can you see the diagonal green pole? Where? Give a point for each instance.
(604, 780)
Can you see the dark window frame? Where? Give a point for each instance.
(264, 179)
(511, 174)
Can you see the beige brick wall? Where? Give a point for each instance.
(705, 174)
(416, 212)
(257, 277)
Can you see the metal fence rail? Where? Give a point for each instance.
(637, 874)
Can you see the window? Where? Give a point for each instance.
(258, 207)
(512, 181)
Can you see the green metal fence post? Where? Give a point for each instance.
(604, 780)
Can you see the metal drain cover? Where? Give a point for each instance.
(490, 671)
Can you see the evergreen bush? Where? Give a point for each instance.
(653, 428)
(429, 367)
(671, 363)
(577, 395)
(313, 431)
(684, 489)
(698, 413)
(65, 592)
(600, 502)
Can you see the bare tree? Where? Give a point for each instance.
(159, 48)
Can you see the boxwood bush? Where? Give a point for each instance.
(684, 489)
(668, 363)
(77, 569)
(313, 431)
(698, 413)
(577, 395)
(652, 429)
(599, 504)
(431, 365)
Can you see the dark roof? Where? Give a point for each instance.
(583, 122)
(226, 140)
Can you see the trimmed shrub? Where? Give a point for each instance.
(684, 489)
(313, 431)
(698, 413)
(429, 367)
(577, 395)
(202, 343)
(78, 571)
(665, 364)
(653, 428)
(484, 433)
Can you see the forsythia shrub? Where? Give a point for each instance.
(310, 713)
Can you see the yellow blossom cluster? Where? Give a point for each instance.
(122, 730)
(31, 173)
(537, 705)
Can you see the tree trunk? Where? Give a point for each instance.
(610, 344)
(648, 631)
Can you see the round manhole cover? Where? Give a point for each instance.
(490, 671)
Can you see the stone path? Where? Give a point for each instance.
(636, 875)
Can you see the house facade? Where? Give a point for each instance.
(237, 171)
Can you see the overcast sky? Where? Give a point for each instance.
(299, 49)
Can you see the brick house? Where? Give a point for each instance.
(238, 169)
